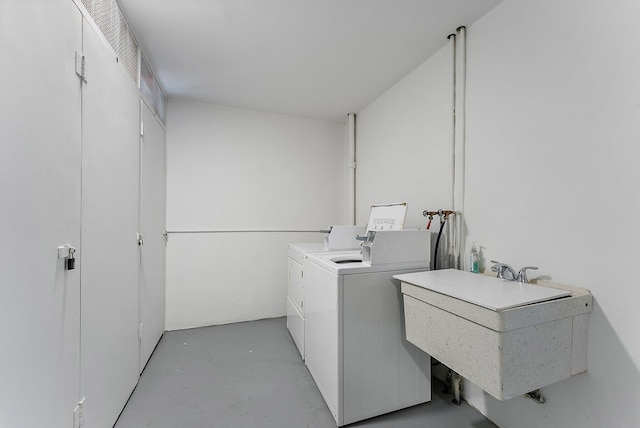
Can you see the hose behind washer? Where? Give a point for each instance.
(435, 253)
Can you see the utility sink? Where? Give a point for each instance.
(506, 337)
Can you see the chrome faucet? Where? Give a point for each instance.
(507, 272)
(504, 270)
(522, 275)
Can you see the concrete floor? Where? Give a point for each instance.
(251, 375)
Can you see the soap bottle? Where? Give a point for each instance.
(474, 259)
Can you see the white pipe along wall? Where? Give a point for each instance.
(351, 165)
(460, 93)
(552, 128)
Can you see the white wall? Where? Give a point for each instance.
(230, 169)
(404, 143)
(552, 180)
(553, 128)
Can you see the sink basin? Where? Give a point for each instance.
(508, 338)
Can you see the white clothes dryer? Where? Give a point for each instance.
(337, 240)
(297, 262)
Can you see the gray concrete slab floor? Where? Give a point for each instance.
(250, 374)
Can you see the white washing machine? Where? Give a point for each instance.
(355, 346)
(338, 240)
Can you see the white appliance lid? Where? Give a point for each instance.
(387, 217)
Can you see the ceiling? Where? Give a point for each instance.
(313, 58)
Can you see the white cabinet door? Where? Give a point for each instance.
(110, 173)
(40, 210)
(152, 224)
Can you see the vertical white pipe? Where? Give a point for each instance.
(452, 42)
(460, 93)
(460, 139)
(351, 165)
(450, 254)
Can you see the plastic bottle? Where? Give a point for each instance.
(473, 259)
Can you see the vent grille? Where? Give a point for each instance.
(151, 90)
(109, 19)
(111, 22)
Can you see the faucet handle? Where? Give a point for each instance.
(501, 268)
(522, 275)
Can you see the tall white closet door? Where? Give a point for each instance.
(109, 307)
(152, 224)
(39, 211)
